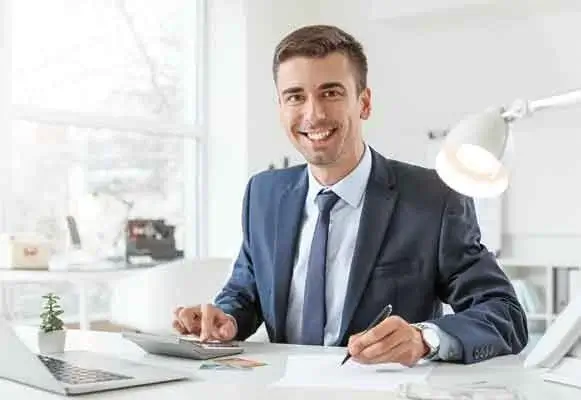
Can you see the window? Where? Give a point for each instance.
(103, 105)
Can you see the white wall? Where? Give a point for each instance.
(426, 73)
(245, 135)
(268, 22)
(5, 100)
(227, 123)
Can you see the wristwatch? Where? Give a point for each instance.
(430, 338)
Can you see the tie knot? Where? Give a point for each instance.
(326, 201)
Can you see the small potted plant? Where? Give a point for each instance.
(52, 335)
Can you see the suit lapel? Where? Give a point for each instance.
(380, 200)
(288, 223)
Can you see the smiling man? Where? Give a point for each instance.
(329, 244)
(322, 105)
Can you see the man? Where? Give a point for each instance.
(328, 245)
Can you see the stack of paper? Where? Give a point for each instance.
(327, 371)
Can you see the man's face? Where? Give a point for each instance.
(320, 108)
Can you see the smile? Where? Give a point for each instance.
(319, 134)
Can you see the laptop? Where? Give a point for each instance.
(74, 372)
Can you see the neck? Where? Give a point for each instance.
(328, 175)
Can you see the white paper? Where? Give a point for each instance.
(327, 371)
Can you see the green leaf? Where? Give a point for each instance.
(50, 320)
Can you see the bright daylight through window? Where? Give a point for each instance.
(104, 123)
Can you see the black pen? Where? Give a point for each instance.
(386, 312)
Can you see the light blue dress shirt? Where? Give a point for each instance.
(343, 229)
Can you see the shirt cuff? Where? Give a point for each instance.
(450, 347)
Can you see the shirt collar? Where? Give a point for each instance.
(351, 188)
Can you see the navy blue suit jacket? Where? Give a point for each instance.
(418, 245)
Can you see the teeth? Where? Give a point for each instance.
(318, 135)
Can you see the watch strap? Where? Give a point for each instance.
(433, 353)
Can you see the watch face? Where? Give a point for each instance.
(431, 337)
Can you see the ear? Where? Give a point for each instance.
(365, 101)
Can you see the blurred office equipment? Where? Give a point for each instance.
(121, 217)
(75, 256)
(23, 251)
(150, 240)
(559, 349)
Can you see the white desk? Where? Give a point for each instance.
(80, 279)
(234, 385)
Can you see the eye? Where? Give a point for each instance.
(331, 93)
(294, 99)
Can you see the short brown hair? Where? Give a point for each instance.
(319, 41)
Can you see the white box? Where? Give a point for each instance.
(23, 252)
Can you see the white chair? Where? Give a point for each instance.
(146, 300)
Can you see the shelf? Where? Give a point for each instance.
(523, 262)
(543, 285)
(540, 317)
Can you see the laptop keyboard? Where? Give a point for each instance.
(71, 374)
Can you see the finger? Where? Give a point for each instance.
(403, 354)
(189, 318)
(375, 334)
(354, 337)
(195, 326)
(226, 331)
(208, 318)
(179, 327)
(177, 310)
(176, 322)
(379, 349)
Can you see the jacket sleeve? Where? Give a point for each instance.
(488, 319)
(239, 297)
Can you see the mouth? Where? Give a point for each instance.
(318, 135)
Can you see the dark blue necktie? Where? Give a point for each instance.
(314, 311)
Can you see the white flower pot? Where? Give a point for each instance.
(51, 342)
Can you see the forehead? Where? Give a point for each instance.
(310, 72)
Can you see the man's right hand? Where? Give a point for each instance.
(206, 321)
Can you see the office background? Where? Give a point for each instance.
(431, 63)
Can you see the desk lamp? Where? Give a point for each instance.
(473, 159)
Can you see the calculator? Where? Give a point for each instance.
(184, 346)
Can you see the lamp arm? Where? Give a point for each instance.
(522, 108)
(557, 101)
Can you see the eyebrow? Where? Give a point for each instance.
(292, 90)
(323, 86)
(332, 85)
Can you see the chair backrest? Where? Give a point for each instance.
(146, 300)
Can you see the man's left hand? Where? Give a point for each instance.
(393, 340)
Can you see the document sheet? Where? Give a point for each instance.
(327, 371)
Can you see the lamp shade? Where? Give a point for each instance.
(472, 160)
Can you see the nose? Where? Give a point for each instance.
(314, 111)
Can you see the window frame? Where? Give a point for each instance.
(193, 127)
